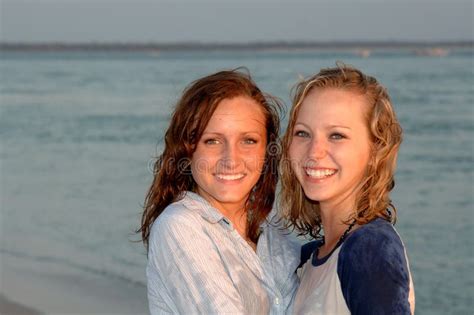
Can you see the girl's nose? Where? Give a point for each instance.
(230, 156)
(318, 149)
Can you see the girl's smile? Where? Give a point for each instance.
(319, 174)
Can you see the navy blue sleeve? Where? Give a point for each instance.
(373, 271)
(306, 251)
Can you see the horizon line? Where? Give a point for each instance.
(258, 45)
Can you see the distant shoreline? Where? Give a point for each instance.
(251, 46)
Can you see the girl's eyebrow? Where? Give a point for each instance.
(339, 126)
(301, 123)
(222, 134)
(329, 126)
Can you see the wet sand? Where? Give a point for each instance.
(50, 288)
(8, 307)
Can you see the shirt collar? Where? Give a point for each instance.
(195, 202)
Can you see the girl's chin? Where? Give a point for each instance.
(316, 196)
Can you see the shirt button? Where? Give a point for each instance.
(277, 301)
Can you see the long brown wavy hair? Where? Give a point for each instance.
(172, 172)
(373, 199)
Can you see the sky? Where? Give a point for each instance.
(234, 20)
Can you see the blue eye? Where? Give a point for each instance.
(301, 133)
(337, 136)
(250, 141)
(211, 141)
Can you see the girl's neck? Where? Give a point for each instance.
(333, 218)
(237, 214)
(240, 223)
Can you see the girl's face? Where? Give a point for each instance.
(230, 155)
(330, 147)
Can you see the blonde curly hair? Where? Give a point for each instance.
(373, 199)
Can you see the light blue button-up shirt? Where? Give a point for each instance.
(198, 263)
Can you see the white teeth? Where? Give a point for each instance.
(230, 177)
(320, 173)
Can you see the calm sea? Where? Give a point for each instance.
(78, 132)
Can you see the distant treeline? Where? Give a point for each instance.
(196, 46)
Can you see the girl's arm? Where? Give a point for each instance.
(374, 272)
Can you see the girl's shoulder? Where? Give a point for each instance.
(177, 218)
(176, 213)
(373, 246)
(377, 236)
(307, 250)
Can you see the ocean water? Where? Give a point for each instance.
(79, 131)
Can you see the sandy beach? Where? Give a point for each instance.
(9, 307)
(52, 288)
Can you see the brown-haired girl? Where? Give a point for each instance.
(339, 157)
(210, 249)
